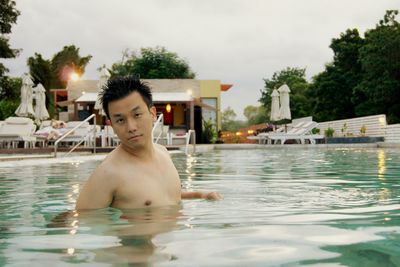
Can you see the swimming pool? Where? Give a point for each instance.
(282, 207)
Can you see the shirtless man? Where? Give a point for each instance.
(138, 173)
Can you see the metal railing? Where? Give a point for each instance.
(159, 122)
(93, 116)
(191, 133)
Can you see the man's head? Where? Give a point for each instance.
(128, 104)
(120, 87)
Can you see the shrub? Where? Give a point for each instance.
(209, 135)
(315, 131)
(363, 130)
(329, 132)
(7, 109)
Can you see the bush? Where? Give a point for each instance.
(209, 135)
(7, 108)
(315, 131)
(329, 132)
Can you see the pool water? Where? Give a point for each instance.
(281, 207)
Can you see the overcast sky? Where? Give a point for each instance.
(239, 42)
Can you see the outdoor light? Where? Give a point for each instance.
(168, 108)
(238, 133)
(250, 132)
(74, 76)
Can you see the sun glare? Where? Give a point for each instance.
(74, 76)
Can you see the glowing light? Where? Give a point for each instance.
(168, 108)
(238, 133)
(70, 251)
(381, 164)
(250, 131)
(74, 76)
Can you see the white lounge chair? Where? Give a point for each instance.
(83, 132)
(264, 137)
(16, 129)
(179, 138)
(301, 132)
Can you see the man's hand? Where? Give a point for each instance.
(203, 195)
(212, 196)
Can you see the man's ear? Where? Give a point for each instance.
(153, 113)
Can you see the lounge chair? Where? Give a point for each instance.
(111, 138)
(301, 132)
(82, 133)
(179, 138)
(16, 129)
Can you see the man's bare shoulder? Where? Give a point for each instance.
(161, 149)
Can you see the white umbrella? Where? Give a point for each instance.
(25, 108)
(284, 111)
(104, 76)
(275, 106)
(41, 112)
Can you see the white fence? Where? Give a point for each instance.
(393, 133)
(375, 126)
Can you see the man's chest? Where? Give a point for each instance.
(152, 188)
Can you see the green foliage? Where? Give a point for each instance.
(344, 129)
(363, 130)
(10, 88)
(229, 122)
(153, 63)
(379, 90)
(299, 96)
(329, 132)
(315, 131)
(332, 89)
(255, 115)
(8, 17)
(209, 134)
(7, 108)
(54, 73)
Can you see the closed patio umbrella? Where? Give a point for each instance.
(275, 106)
(104, 76)
(25, 109)
(41, 112)
(284, 111)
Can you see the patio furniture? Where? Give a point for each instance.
(301, 132)
(16, 129)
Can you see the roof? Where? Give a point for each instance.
(226, 87)
(157, 97)
(87, 97)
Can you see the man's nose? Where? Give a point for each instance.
(131, 125)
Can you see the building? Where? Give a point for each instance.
(185, 103)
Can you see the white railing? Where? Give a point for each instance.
(159, 123)
(191, 133)
(93, 116)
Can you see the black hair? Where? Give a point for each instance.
(121, 86)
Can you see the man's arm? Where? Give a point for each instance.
(203, 195)
(98, 191)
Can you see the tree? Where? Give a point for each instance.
(332, 90)
(255, 115)
(379, 90)
(9, 87)
(153, 63)
(8, 17)
(229, 122)
(55, 73)
(295, 79)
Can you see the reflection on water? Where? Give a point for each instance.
(282, 206)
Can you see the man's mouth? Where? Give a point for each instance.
(134, 137)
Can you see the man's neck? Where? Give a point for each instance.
(142, 153)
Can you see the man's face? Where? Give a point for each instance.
(132, 120)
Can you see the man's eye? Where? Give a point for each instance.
(138, 115)
(119, 121)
